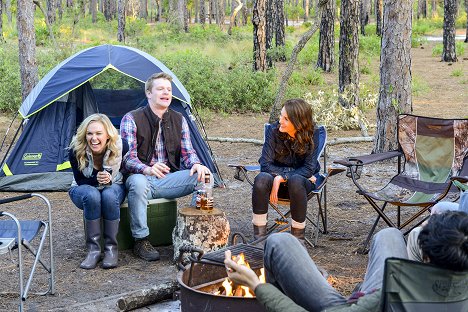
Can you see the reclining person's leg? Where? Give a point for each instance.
(290, 268)
(386, 243)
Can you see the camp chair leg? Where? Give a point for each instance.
(380, 211)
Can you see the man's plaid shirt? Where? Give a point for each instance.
(132, 164)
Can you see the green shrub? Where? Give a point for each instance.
(222, 87)
(330, 113)
(369, 45)
(418, 85)
(459, 49)
(457, 72)
(10, 83)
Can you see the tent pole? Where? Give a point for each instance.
(9, 147)
(205, 137)
(8, 130)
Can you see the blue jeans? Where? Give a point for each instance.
(296, 191)
(290, 268)
(141, 188)
(98, 203)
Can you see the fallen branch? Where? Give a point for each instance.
(145, 297)
(331, 142)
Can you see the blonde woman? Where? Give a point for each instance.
(95, 155)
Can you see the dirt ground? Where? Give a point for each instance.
(349, 215)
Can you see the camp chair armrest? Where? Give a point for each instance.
(462, 179)
(367, 159)
(245, 167)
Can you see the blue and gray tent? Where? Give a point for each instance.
(65, 96)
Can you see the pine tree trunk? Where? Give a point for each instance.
(26, 46)
(107, 10)
(245, 12)
(466, 10)
(2, 39)
(50, 11)
(270, 15)
(8, 11)
(259, 35)
(279, 31)
(306, 6)
(348, 75)
(433, 8)
(364, 15)
(235, 11)
(378, 17)
(121, 20)
(159, 8)
(450, 10)
(93, 10)
(60, 9)
(197, 11)
(422, 9)
(202, 12)
(143, 9)
(220, 13)
(395, 73)
(326, 54)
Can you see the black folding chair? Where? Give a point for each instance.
(281, 223)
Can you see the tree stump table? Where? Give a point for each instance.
(207, 230)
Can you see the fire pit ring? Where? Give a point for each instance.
(203, 274)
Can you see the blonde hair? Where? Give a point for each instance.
(79, 143)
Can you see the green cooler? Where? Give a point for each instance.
(162, 216)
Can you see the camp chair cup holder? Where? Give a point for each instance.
(20, 235)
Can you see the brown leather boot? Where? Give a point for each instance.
(259, 231)
(299, 234)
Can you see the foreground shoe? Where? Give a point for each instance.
(145, 250)
(93, 237)
(111, 251)
(299, 234)
(259, 231)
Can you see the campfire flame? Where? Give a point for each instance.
(229, 289)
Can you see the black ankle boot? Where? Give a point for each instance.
(299, 234)
(259, 231)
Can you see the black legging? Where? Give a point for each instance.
(295, 189)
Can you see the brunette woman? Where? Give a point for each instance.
(288, 164)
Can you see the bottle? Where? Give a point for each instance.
(206, 194)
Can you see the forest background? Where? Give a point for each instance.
(214, 59)
(215, 63)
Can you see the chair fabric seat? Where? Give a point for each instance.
(415, 286)
(29, 229)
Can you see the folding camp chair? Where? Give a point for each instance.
(15, 234)
(433, 150)
(411, 286)
(281, 223)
